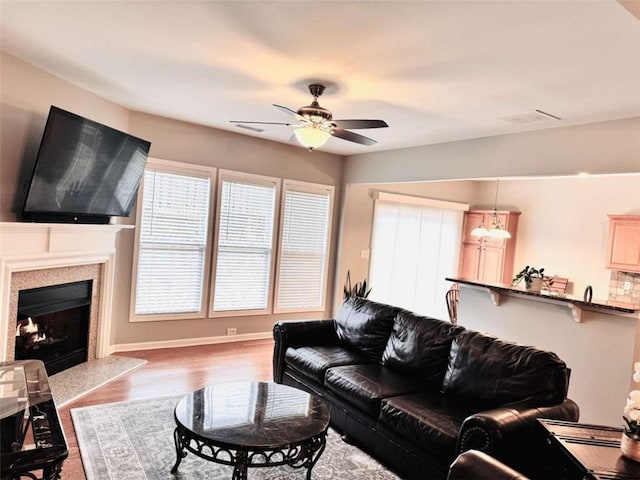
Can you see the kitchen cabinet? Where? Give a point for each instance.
(488, 259)
(623, 251)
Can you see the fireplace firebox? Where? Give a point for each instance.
(53, 325)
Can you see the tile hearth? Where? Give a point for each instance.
(74, 382)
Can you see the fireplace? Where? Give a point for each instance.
(53, 325)
(34, 255)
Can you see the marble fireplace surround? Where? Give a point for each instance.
(40, 254)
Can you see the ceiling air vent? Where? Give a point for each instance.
(247, 127)
(527, 118)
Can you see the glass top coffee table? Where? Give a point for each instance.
(251, 424)
(32, 443)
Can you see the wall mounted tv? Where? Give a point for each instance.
(85, 172)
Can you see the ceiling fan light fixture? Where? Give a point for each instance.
(314, 124)
(311, 137)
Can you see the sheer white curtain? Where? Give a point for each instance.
(413, 249)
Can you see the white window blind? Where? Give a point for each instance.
(304, 245)
(244, 245)
(172, 243)
(413, 249)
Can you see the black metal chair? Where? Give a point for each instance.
(452, 297)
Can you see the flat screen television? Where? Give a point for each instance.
(85, 172)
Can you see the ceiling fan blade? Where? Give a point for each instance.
(288, 111)
(353, 137)
(262, 123)
(359, 123)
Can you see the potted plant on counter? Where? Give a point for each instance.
(533, 278)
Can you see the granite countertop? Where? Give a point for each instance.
(570, 299)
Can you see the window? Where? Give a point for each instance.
(172, 242)
(249, 266)
(304, 247)
(414, 247)
(244, 243)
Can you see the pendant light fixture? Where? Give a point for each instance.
(496, 229)
(480, 231)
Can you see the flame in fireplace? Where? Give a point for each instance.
(30, 327)
(39, 338)
(31, 331)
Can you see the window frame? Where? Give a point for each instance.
(314, 188)
(179, 168)
(250, 179)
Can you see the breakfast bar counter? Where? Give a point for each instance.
(576, 304)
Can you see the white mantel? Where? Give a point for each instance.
(37, 246)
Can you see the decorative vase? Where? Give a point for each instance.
(630, 448)
(535, 285)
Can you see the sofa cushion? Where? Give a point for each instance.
(430, 419)
(420, 345)
(365, 385)
(365, 326)
(495, 372)
(313, 362)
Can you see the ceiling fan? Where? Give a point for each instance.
(314, 124)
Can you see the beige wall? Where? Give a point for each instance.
(26, 95)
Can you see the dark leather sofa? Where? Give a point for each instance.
(415, 391)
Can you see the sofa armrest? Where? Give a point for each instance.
(480, 466)
(299, 333)
(494, 431)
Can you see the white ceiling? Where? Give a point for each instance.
(435, 71)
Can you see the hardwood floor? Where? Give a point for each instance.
(171, 372)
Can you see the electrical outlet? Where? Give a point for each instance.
(627, 286)
(232, 331)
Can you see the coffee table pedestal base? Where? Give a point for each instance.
(303, 455)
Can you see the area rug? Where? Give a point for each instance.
(134, 441)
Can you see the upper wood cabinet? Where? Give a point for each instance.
(623, 251)
(488, 259)
(471, 221)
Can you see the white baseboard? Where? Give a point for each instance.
(190, 342)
